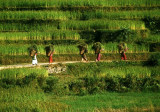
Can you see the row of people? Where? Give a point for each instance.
(97, 47)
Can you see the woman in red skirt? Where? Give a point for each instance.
(50, 58)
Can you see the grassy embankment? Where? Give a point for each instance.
(82, 87)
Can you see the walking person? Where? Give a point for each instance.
(33, 50)
(34, 59)
(83, 50)
(122, 48)
(50, 58)
(97, 47)
(83, 55)
(49, 52)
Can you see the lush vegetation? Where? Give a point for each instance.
(78, 15)
(63, 3)
(115, 86)
(132, 85)
(65, 23)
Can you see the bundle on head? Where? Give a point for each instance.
(122, 47)
(82, 47)
(32, 50)
(97, 47)
(49, 50)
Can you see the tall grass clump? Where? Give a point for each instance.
(22, 72)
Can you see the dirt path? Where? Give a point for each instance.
(26, 65)
(2, 67)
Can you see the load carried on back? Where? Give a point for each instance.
(97, 47)
(122, 47)
(49, 50)
(32, 50)
(83, 47)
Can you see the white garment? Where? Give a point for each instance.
(34, 60)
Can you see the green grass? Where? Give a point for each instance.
(62, 94)
(110, 101)
(61, 3)
(27, 99)
(153, 38)
(32, 97)
(19, 73)
(111, 69)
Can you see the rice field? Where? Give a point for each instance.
(13, 49)
(48, 21)
(114, 69)
(61, 3)
(78, 15)
(154, 38)
(35, 23)
(103, 24)
(55, 35)
(74, 25)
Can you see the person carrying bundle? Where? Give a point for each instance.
(122, 48)
(97, 47)
(83, 50)
(33, 53)
(49, 53)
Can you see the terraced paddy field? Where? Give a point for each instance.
(65, 23)
(131, 85)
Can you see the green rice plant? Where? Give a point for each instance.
(132, 48)
(55, 35)
(74, 25)
(77, 15)
(104, 69)
(23, 49)
(62, 3)
(153, 38)
(22, 26)
(102, 24)
(17, 73)
(66, 49)
(13, 49)
(117, 15)
(36, 15)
